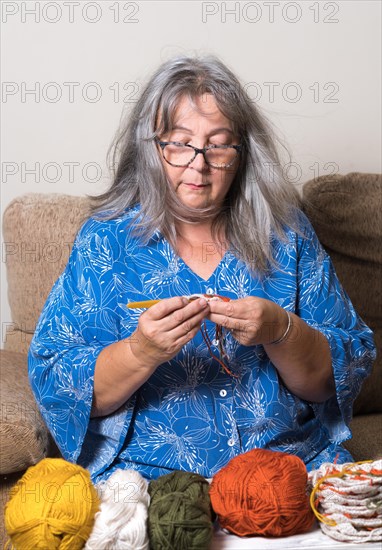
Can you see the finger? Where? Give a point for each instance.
(243, 308)
(165, 307)
(190, 314)
(186, 335)
(238, 327)
(183, 320)
(229, 309)
(230, 323)
(191, 321)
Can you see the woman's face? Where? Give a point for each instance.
(198, 185)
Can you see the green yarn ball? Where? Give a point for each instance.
(180, 512)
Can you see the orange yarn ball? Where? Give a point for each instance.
(262, 492)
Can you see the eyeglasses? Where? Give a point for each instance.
(181, 154)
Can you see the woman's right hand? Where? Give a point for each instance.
(162, 331)
(165, 328)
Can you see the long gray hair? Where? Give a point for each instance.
(260, 203)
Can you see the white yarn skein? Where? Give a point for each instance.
(121, 523)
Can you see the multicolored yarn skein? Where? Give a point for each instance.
(121, 522)
(262, 492)
(179, 512)
(52, 506)
(347, 499)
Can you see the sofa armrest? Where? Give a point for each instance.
(24, 438)
(346, 213)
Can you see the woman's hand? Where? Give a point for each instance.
(165, 328)
(122, 367)
(303, 359)
(250, 320)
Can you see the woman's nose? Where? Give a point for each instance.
(199, 162)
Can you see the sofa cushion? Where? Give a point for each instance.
(346, 212)
(366, 443)
(24, 438)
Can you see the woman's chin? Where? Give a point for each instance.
(196, 202)
(197, 205)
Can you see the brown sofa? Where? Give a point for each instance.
(38, 232)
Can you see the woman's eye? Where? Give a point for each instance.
(178, 139)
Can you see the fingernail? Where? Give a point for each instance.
(203, 302)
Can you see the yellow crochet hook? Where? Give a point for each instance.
(144, 303)
(149, 303)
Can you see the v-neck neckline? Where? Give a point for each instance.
(211, 276)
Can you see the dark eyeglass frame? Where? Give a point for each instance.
(197, 151)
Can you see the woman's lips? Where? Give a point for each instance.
(193, 185)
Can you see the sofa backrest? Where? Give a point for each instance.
(39, 231)
(345, 211)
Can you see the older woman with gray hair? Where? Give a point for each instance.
(198, 316)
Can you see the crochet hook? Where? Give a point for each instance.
(149, 303)
(144, 303)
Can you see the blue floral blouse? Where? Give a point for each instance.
(190, 415)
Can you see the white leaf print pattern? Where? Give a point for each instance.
(101, 256)
(180, 418)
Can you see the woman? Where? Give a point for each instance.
(193, 209)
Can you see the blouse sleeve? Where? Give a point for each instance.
(79, 319)
(323, 304)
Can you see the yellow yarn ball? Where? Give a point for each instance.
(52, 506)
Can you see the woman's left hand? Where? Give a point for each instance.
(251, 320)
(303, 361)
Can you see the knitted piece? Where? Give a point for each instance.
(347, 499)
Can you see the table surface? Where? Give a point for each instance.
(314, 539)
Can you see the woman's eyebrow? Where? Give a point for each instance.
(214, 131)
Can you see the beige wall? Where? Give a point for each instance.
(70, 67)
